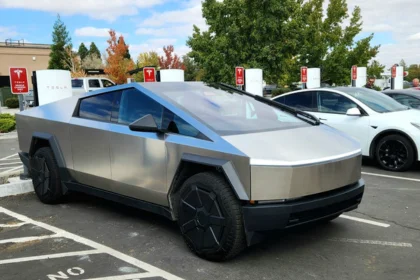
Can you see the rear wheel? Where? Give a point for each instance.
(395, 153)
(45, 176)
(210, 217)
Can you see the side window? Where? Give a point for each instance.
(407, 100)
(135, 105)
(94, 83)
(281, 100)
(334, 103)
(98, 107)
(304, 101)
(107, 83)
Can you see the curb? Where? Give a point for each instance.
(10, 135)
(16, 187)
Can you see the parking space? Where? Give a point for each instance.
(379, 240)
(10, 163)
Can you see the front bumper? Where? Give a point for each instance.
(267, 217)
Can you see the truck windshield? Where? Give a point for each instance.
(76, 83)
(227, 112)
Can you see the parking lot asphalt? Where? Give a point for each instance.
(90, 238)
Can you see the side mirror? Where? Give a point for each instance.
(353, 112)
(144, 124)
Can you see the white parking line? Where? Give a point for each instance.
(125, 277)
(372, 242)
(52, 256)
(12, 225)
(365, 221)
(11, 163)
(391, 177)
(28, 239)
(9, 157)
(154, 271)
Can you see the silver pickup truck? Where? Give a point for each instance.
(81, 85)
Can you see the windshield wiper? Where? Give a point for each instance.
(297, 113)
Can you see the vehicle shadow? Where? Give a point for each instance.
(369, 162)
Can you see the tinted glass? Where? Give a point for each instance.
(135, 105)
(76, 83)
(97, 107)
(226, 111)
(375, 100)
(329, 102)
(107, 83)
(407, 100)
(304, 101)
(94, 84)
(175, 124)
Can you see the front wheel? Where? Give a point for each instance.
(395, 153)
(210, 217)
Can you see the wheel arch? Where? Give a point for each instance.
(388, 132)
(191, 165)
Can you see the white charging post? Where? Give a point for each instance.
(358, 76)
(254, 81)
(314, 78)
(51, 85)
(397, 77)
(172, 75)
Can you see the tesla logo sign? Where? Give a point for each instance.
(18, 80)
(394, 71)
(354, 72)
(239, 76)
(304, 74)
(149, 74)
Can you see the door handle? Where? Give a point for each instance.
(321, 119)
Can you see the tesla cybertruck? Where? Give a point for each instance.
(225, 164)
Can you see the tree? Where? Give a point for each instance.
(92, 62)
(413, 72)
(83, 51)
(375, 69)
(127, 54)
(329, 44)
(192, 70)
(93, 50)
(403, 64)
(117, 66)
(146, 59)
(72, 62)
(61, 39)
(170, 60)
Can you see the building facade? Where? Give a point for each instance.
(20, 54)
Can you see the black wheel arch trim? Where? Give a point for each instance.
(55, 147)
(388, 132)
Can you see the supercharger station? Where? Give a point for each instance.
(51, 85)
(314, 78)
(397, 77)
(171, 75)
(254, 81)
(358, 76)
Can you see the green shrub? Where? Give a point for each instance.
(280, 91)
(12, 103)
(7, 116)
(7, 125)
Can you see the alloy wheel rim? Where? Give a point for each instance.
(41, 175)
(201, 219)
(393, 154)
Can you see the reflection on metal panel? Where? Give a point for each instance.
(138, 164)
(273, 183)
(90, 146)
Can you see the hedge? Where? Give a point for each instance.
(12, 103)
(280, 91)
(7, 125)
(7, 116)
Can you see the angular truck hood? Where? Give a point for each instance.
(295, 147)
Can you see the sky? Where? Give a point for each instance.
(150, 24)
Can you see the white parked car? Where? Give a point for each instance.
(387, 130)
(81, 85)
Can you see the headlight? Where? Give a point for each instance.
(416, 125)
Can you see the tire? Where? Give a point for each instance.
(210, 217)
(46, 177)
(395, 153)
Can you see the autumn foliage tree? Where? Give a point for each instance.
(170, 60)
(117, 66)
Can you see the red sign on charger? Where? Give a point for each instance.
(149, 74)
(240, 76)
(304, 74)
(354, 72)
(18, 80)
(394, 71)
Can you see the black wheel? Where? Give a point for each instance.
(210, 217)
(395, 153)
(45, 176)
